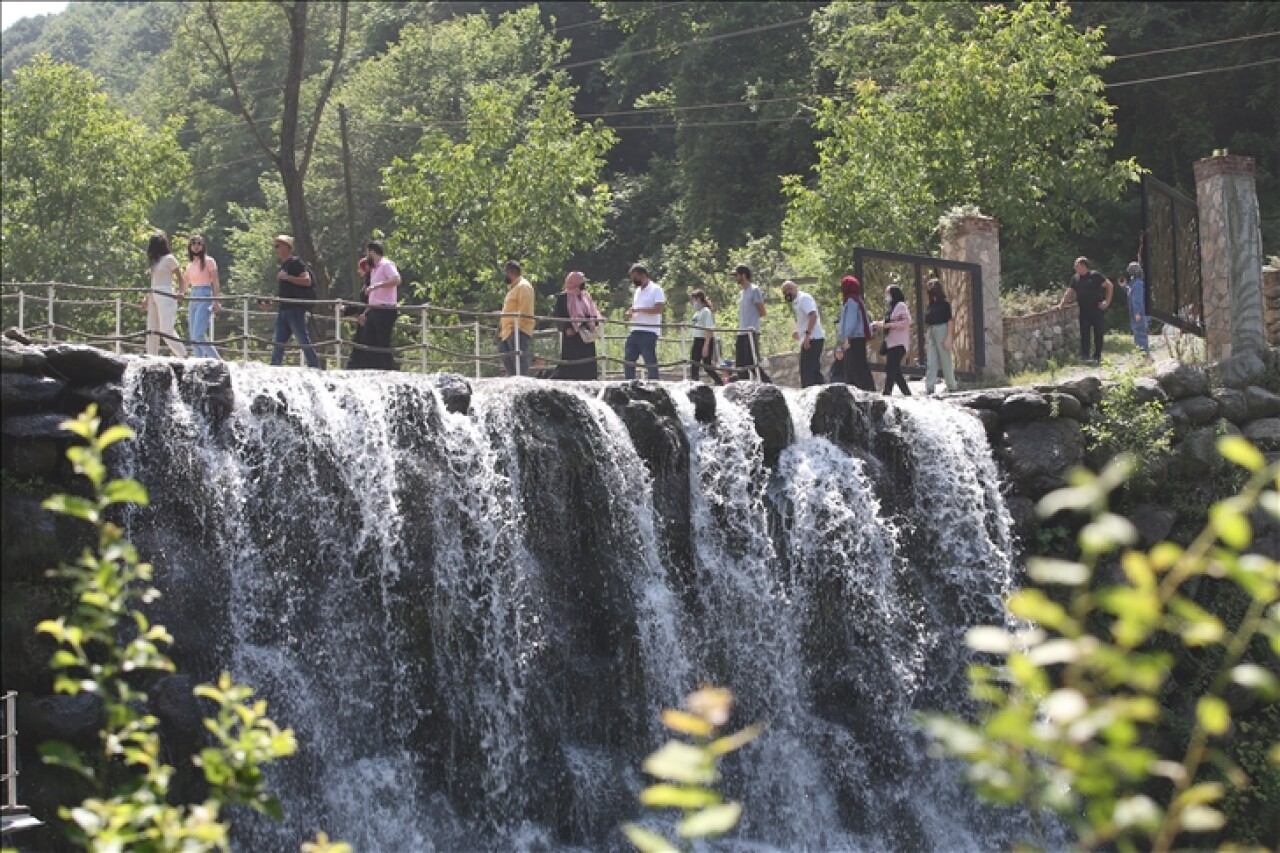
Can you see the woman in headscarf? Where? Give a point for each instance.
(579, 326)
(855, 330)
(897, 328)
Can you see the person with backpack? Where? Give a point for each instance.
(295, 282)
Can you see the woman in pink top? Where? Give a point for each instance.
(200, 280)
(897, 326)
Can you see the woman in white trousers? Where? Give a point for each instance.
(162, 300)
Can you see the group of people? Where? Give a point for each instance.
(1093, 292)
(579, 324)
(296, 289)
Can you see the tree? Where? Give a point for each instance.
(81, 177)
(944, 105)
(523, 183)
(243, 39)
(1075, 712)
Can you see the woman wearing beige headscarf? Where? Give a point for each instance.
(579, 326)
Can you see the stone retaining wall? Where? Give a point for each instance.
(1031, 341)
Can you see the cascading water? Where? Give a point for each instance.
(470, 604)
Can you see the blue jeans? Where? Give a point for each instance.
(292, 322)
(641, 344)
(507, 346)
(201, 317)
(1140, 334)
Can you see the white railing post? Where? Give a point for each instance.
(755, 356)
(10, 753)
(22, 311)
(424, 338)
(49, 334)
(337, 334)
(118, 325)
(684, 349)
(244, 341)
(477, 328)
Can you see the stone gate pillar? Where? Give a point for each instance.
(1230, 255)
(1271, 298)
(975, 239)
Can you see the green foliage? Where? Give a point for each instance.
(524, 184)
(1121, 423)
(1070, 708)
(947, 105)
(1022, 301)
(105, 646)
(80, 179)
(689, 771)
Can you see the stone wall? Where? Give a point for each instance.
(1032, 340)
(975, 239)
(1271, 299)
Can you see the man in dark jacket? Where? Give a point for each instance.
(1092, 291)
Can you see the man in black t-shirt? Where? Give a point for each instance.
(291, 320)
(1092, 291)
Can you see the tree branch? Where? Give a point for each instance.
(324, 92)
(222, 56)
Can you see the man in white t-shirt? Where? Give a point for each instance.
(808, 332)
(751, 311)
(645, 314)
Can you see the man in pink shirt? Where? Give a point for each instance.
(379, 319)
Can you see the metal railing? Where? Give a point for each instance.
(436, 339)
(13, 817)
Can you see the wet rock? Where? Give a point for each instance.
(19, 357)
(1232, 404)
(1198, 452)
(1086, 389)
(1023, 513)
(31, 457)
(1038, 455)
(1180, 380)
(14, 334)
(704, 403)
(1261, 402)
(109, 398)
(1063, 405)
(987, 398)
(74, 719)
(32, 539)
(85, 365)
(990, 422)
(174, 703)
(455, 391)
(43, 426)
(838, 416)
(22, 393)
(1024, 406)
(1192, 411)
(1154, 523)
(769, 412)
(1241, 371)
(206, 386)
(1148, 390)
(1265, 433)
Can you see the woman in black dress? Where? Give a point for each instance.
(579, 327)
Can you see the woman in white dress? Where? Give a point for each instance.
(161, 301)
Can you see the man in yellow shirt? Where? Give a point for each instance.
(516, 326)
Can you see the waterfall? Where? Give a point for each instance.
(471, 603)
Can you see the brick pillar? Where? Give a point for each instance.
(975, 239)
(1271, 299)
(1230, 255)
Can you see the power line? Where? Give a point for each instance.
(1194, 46)
(1191, 73)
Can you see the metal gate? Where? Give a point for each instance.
(1171, 256)
(962, 282)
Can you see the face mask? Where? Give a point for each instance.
(637, 283)
(790, 297)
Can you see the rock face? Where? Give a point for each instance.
(1240, 371)
(1194, 411)
(1038, 455)
(1261, 402)
(1182, 380)
(770, 413)
(1232, 404)
(23, 393)
(1265, 433)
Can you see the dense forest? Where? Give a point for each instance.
(690, 135)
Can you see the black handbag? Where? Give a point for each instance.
(884, 347)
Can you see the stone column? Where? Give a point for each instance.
(975, 239)
(1271, 299)
(1230, 256)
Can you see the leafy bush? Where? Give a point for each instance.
(1022, 301)
(1122, 423)
(689, 772)
(104, 647)
(1070, 720)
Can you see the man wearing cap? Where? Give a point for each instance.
(515, 328)
(291, 320)
(1092, 291)
(808, 332)
(1136, 290)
